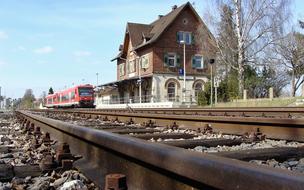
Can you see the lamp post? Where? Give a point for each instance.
(139, 77)
(184, 88)
(211, 61)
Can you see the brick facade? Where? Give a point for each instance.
(159, 43)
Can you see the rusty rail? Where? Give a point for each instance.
(157, 166)
(276, 128)
(283, 112)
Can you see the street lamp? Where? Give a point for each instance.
(139, 77)
(211, 61)
(184, 88)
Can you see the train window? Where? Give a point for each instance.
(73, 95)
(85, 91)
(65, 97)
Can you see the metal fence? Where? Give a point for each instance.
(150, 99)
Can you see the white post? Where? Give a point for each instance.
(211, 101)
(184, 89)
(271, 93)
(245, 95)
(139, 76)
(96, 79)
(215, 95)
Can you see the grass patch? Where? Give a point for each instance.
(276, 102)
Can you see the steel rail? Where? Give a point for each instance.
(212, 110)
(157, 166)
(277, 128)
(271, 112)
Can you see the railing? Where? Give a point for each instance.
(149, 99)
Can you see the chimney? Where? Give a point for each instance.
(159, 16)
(174, 7)
(120, 47)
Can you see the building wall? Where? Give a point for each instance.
(160, 81)
(147, 52)
(168, 43)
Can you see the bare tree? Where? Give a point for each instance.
(290, 53)
(258, 25)
(301, 24)
(28, 99)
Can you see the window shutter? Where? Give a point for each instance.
(192, 39)
(177, 37)
(193, 62)
(166, 64)
(127, 66)
(178, 64)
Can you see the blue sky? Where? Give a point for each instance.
(57, 43)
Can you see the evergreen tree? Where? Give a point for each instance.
(51, 91)
(226, 42)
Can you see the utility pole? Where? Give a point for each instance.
(96, 79)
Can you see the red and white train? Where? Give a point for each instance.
(79, 96)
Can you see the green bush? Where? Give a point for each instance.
(202, 99)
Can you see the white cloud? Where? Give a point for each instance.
(21, 48)
(2, 63)
(82, 53)
(44, 50)
(3, 35)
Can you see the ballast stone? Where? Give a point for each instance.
(74, 185)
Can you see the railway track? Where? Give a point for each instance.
(154, 157)
(287, 128)
(269, 112)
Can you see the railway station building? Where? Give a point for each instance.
(152, 58)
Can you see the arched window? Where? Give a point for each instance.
(198, 88)
(171, 91)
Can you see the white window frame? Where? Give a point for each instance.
(202, 61)
(173, 57)
(122, 69)
(184, 34)
(133, 70)
(147, 64)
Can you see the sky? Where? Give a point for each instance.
(61, 43)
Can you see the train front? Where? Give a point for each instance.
(86, 96)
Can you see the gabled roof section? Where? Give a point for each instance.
(136, 32)
(145, 34)
(161, 24)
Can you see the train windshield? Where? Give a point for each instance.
(85, 91)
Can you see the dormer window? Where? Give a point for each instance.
(184, 36)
